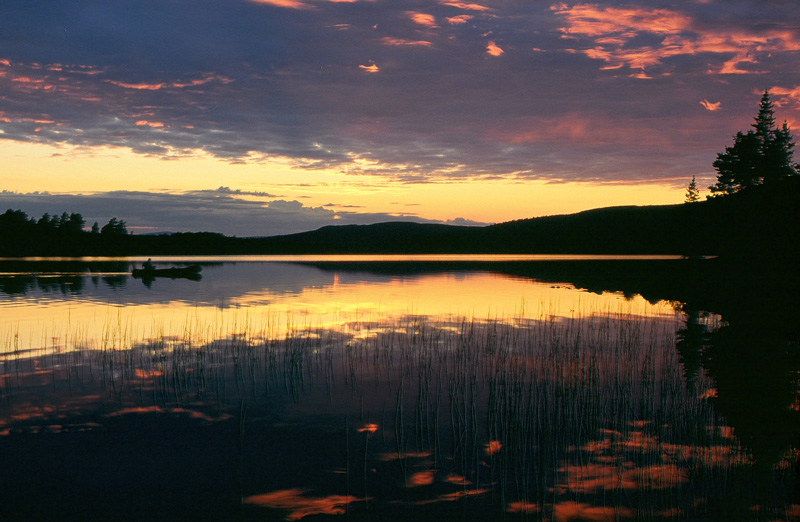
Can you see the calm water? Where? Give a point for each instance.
(433, 388)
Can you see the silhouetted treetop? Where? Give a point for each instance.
(114, 227)
(692, 192)
(760, 156)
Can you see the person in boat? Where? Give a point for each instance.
(148, 265)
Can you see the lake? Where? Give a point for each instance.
(553, 388)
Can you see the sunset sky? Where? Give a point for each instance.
(264, 117)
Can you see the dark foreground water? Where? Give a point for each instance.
(390, 391)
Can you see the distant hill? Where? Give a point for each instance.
(760, 222)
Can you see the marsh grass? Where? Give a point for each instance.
(540, 417)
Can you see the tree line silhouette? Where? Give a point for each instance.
(63, 234)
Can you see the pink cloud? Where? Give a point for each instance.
(783, 97)
(291, 4)
(709, 106)
(387, 40)
(494, 49)
(146, 123)
(460, 19)
(422, 19)
(613, 31)
(372, 68)
(467, 6)
(139, 86)
(177, 84)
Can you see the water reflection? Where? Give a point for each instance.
(299, 505)
(755, 370)
(583, 407)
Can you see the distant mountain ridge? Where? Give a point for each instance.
(759, 222)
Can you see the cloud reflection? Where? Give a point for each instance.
(571, 511)
(299, 505)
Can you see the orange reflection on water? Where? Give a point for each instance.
(194, 414)
(523, 507)
(300, 506)
(593, 478)
(368, 428)
(421, 478)
(388, 457)
(148, 374)
(709, 456)
(452, 497)
(453, 478)
(493, 447)
(569, 511)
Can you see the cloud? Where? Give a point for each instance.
(400, 89)
(709, 106)
(459, 19)
(291, 4)
(229, 211)
(494, 49)
(786, 97)
(467, 6)
(425, 19)
(371, 68)
(387, 40)
(642, 37)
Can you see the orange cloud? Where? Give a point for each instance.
(145, 123)
(460, 19)
(422, 19)
(614, 29)
(709, 106)
(177, 84)
(467, 6)
(291, 4)
(139, 86)
(592, 20)
(388, 40)
(786, 97)
(494, 49)
(372, 68)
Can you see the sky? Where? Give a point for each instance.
(267, 117)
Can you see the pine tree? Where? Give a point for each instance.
(692, 193)
(762, 155)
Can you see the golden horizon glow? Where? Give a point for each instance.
(30, 167)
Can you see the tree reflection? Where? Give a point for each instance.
(691, 343)
(754, 364)
(63, 277)
(756, 376)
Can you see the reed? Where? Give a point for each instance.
(534, 414)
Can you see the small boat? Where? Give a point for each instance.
(185, 272)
